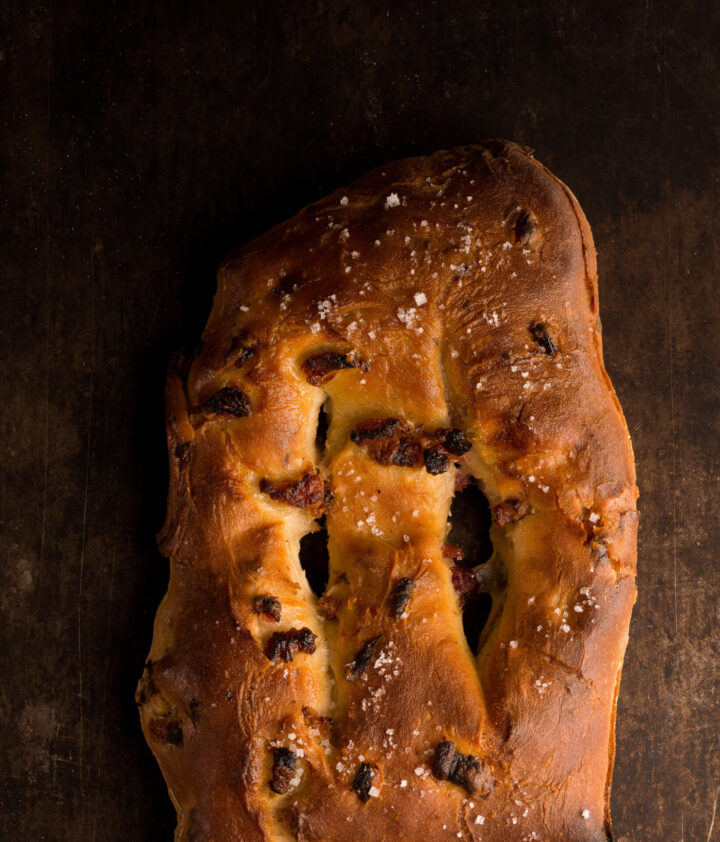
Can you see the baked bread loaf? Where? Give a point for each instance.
(444, 312)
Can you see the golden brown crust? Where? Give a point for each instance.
(433, 304)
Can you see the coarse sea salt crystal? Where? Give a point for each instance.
(344, 200)
(420, 298)
(392, 201)
(373, 792)
(513, 644)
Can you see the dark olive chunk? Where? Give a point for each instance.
(363, 781)
(542, 338)
(362, 659)
(229, 401)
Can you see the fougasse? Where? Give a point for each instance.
(443, 313)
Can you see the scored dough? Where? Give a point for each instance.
(443, 311)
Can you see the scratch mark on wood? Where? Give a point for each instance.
(712, 820)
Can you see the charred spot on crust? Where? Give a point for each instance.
(509, 511)
(540, 335)
(363, 781)
(437, 460)
(321, 367)
(462, 769)
(167, 729)
(402, 595)
(306, 492)
(283, 770)
(456, 442)
(356, 668)
(229, 401)
(464, 580)
(285, 644)
(377, 428)
(269, 606)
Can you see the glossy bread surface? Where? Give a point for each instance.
(444, 311)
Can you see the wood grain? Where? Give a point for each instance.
(143, 142)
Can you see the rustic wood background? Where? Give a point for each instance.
(141, 143)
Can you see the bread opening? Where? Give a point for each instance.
(470, 521)
(315, 559)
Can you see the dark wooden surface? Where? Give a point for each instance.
(141, 143)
